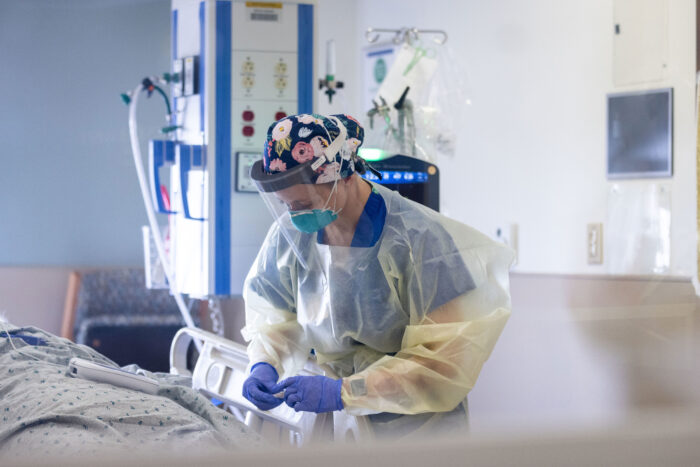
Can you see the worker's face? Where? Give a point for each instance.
(304, 197)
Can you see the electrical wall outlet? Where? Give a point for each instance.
(594, 245)
(508, 234)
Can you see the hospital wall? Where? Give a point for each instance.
(532, 149)
(69, 196)
(68, 189)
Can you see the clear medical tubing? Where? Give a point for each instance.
(150, 212)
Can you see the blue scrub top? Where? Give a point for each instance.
(415, 268)
(369, 225)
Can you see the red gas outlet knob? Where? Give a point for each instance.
(248, 131)
(280, 115)
(248, 115)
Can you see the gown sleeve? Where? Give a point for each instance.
(273, 334)
(456, 293)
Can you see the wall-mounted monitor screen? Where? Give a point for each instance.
(640, 134)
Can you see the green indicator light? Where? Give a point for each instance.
(371, 154)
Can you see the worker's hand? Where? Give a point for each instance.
(312, 393)
(260, 386)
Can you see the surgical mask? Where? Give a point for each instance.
(313, 220)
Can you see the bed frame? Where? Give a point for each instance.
(219, 374)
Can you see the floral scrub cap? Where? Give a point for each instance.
(297, 139)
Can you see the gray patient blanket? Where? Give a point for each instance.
(44, 412)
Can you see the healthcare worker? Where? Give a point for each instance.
(402, 303)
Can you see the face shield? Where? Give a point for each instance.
(303, 199)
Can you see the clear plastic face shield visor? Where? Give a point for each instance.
(302, 207)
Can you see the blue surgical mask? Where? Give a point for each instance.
(313, 220)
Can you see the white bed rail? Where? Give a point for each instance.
(219, 373)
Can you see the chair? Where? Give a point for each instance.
(113, 312)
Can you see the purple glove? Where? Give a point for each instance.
(312, 393)
(260, 386)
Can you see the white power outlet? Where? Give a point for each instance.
(594, 246)
(508, 234)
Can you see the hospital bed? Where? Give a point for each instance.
(219, 374)
(46, 410)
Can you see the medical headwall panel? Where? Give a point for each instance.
(252, 64)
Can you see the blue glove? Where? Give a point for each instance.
(260, 386)
(312, 393)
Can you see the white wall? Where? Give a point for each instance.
(533, 149)
(338, 20)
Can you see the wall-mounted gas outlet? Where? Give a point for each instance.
(594, 245)
(508, 234)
